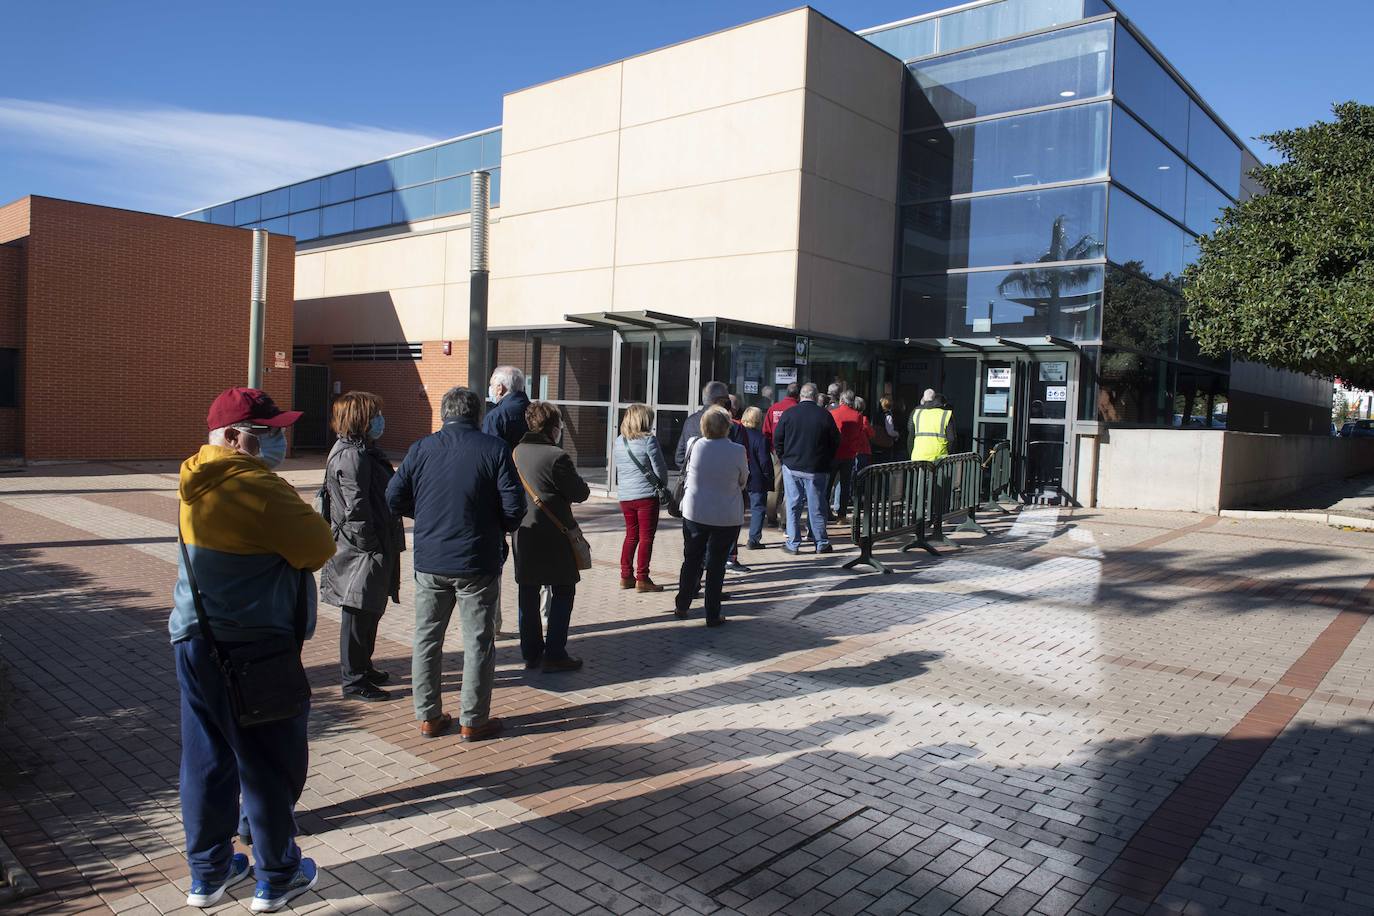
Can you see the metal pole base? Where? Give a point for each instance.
(867, 559)
(971, 524)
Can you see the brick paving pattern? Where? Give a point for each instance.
(1088, 712)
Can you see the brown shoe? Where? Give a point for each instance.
(647, 585)
(490, 729)
(626, 583)
(439, 725)
(566, 663)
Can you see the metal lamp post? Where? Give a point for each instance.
(257, 308)
(477, 283)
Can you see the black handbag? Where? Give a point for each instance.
(665, 499)
(265, 678)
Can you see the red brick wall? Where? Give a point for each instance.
(134, 323)
(412, 390)
(14, 220)
(11, 337)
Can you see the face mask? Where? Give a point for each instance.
(272, 448)
(493, 395)
(375, 428)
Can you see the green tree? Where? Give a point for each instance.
(1287, 278)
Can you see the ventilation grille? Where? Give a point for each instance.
(300, 353)
(379, 352)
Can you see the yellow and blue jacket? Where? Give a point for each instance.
(248, 534)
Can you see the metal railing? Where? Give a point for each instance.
(917, 498)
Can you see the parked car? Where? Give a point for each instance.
(1358, 429)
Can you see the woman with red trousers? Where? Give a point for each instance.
(640, 473)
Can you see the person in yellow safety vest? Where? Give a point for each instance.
(931, 428)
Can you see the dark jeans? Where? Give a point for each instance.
(533, 643)
(641, 522)
(708, 546)
(841, 477)
(758, 505)
(357, 641)
(266, 764)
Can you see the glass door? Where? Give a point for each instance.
(1048, 383)
(658, 368)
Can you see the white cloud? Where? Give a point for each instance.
(171, 159)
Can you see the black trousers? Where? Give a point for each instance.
(357, 640)
(708, 546)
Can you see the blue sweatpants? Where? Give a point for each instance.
(265, 764)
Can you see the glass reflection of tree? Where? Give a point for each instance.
(1047, 285)
(1138, 314)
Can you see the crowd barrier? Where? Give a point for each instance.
(916, 499)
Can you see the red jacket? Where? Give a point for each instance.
(866, 446)
(852, 435)
(773, 415)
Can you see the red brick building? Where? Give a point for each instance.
(118, 328)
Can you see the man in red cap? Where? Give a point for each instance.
(250, 545)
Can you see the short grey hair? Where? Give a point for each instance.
(834, 391)
(847, 399)
(809, 391)
(712, 392)
(860, 405)
(460, 403)
(217, 435)
(510, 376)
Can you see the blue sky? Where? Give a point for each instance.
(165, 105)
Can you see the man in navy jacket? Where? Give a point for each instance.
(806, 439)
(506, 421)
(460, 486)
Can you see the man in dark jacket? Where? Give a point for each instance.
(806, 439)
(461, 488)
(712, 394)
(771, 417)
(506, 421)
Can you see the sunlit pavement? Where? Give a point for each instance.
(1086, 712)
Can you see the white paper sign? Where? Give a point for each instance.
(784, 375)
(751, 387)
(995, 403)
(1056, 393)
(999, 378)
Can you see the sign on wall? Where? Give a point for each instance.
(784, 375)
(803, 351)
(1056, 393)
(999, 376)
(1054, 372)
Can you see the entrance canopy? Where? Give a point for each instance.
(632, 321)
(972, 346)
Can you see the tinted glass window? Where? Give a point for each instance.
(223, 215)
(1205, 204)
(372, 179)
(907, 41)
(1150, 93)
(1133, 389)
(491, 150)
(414, 168)
(1040, 70)
(1212, 151)
(305, 196)
(1028, 302)
(1140, 315)
(1146, 166)
(305, 226)
(372, 211)
(276, 203)
(199, 216)
(1063, 224)
(247, 211)
(460, 157)
(453, 195)
(495, 190)
(338, 187)
(281, 224)
(414, 204)
(1059, 145)
(336, 219)
(1001, 20)
(1140, 238)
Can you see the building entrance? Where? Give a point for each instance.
(659, 368)
(1029, 399)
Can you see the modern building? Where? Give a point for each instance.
(118, 328)
(997, 201)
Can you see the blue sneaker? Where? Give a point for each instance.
(204, 894)
(269, 899)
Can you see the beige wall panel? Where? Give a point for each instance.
(455, 320)
(415, 314)
(317, 323)
(755, 137)
(845, 225)
(850, 149)
(748, 216)
(576, 106)
(853, 72)
(759, 288)
(835, 298)
(458, 254)
(554, 241)
(391, 264)
(544, 299)
(758, 59)
(575, 172)
(309, 276)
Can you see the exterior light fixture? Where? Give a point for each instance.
(1067, 94)
(1162, 168)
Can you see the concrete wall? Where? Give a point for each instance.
(1208, 470)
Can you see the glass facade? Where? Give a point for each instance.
(403, 189)
(978, 25)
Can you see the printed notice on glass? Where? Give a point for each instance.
(1054, 372)
(751, 387)
(784, 375)
(995, 403)
(999, 377)
(1055, 393)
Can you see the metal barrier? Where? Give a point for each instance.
(889, 500)
(997, 483)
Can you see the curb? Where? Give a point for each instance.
(15, 881)
(1325, 518)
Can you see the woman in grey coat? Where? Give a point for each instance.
(639, 472)
(365, 571)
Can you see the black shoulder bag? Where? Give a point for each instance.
(265, 678)
(665, 498)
